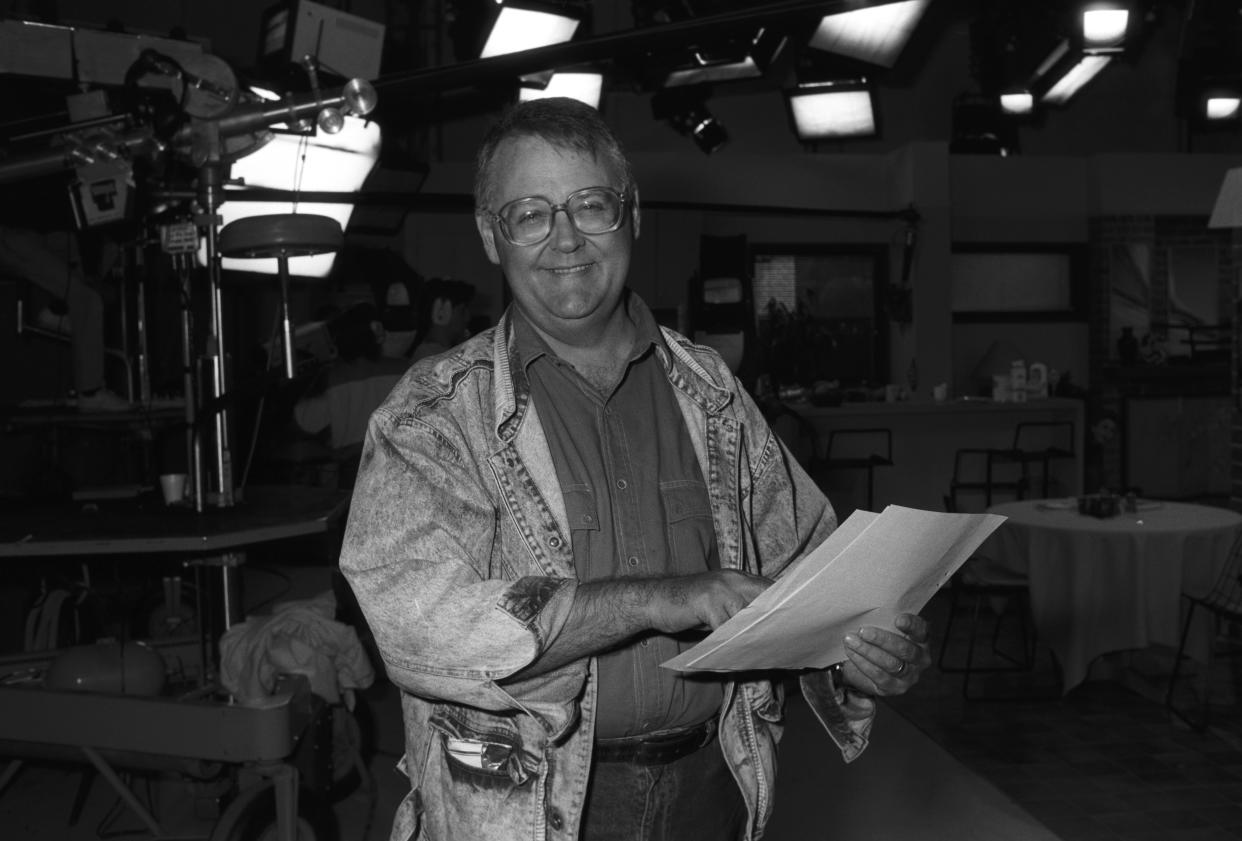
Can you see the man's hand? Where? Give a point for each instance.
(704, 600)
(887, 662)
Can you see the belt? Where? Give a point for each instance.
(659, 749)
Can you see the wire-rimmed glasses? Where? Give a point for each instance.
(592, 210)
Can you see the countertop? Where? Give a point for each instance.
(974, 405)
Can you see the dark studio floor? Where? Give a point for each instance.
(1103, 762)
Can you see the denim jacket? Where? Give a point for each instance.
(458, 549)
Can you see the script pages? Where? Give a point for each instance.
(872, 568)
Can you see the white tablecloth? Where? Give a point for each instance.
(1105, 585)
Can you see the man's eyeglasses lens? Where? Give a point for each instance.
(595, 210)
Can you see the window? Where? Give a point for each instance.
(1020, 282)
(818, 311)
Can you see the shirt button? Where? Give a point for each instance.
(622, 484)
(555, 819)
(632, 560)
(554, 542)
(588, 519)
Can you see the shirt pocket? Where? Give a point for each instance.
(691, 533)
(583, 514)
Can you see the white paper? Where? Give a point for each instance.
(872, 568)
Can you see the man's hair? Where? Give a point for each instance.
(457, 291)
(560, 121)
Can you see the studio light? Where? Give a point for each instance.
(1218, 102)
(832, 110)
(689, 115)
(580, 85)
(1017, 103)
(1104, 27)
(747, 59)
(980, 128)
(876, 34)
(1221, 107)
(1078, 70)
(526, 25)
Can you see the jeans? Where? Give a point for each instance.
(693, 798)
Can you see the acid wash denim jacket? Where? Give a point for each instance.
(458, 549)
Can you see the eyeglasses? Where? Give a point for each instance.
(593, 210)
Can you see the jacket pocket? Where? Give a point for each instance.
(483, 750)
(481, 778)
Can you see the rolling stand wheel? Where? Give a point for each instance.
(252, 817)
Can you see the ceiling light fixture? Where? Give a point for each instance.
(1017, 103)
(690, 116)
(876, 34)
(1104, 27)
(525, 25)
(1078, 70)
(980, 129)
(832, 110)
(1221, 107)
(747, 59)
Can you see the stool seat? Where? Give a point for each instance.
(281, 235)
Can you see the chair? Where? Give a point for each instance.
(860, 448)
(1040, 442)
(282, 235)
(800, 437)
(986, 472)
(979, 582)
(1224, 603)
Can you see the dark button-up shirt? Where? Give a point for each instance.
(638, 507)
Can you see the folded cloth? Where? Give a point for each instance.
(301, 638)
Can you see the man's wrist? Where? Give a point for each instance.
(836, 673)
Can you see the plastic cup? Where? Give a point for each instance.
(173, 486)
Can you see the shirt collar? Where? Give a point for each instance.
(530, 346)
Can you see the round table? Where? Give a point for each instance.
(1100, 585)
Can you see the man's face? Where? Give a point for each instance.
(570, 283)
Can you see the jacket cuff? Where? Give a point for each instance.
(825, 700)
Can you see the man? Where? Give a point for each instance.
(350, 387)
(443, 312)
(564, 502)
